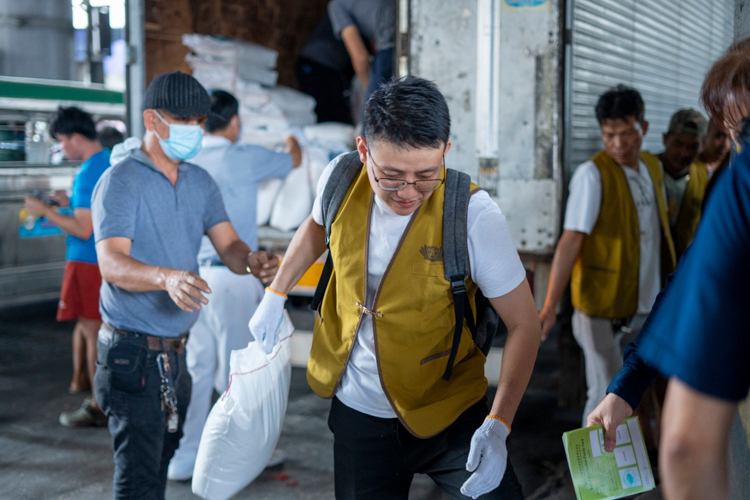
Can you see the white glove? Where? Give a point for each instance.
(264, 325)
(488, 458)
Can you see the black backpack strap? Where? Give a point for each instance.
(342, 177)
(456, 253)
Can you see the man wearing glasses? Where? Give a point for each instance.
(385, 326)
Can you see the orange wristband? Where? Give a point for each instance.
(500, 419)
(269, 289)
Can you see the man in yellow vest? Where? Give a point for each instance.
(616, 242)
(385, 328)
(685, 175)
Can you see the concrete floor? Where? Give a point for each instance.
(42, 460)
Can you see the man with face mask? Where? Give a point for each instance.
(150, 212)
(222, 324)
(616, 242)
(685, 175)
(382, 342)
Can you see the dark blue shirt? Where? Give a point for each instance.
(83, 186)
(166, 223)
(636, 375)
(699, 331)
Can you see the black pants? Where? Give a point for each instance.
(331, 89)
(128, 391)
(376, 458)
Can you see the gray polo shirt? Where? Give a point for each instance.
(166, 223)
(375, 19)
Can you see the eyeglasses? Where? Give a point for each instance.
(390, 184)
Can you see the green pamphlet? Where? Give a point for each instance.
(599, 475)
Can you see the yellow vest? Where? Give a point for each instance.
(412, 313)
(690, 211)
(605, 275)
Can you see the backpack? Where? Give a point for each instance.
(455, 252)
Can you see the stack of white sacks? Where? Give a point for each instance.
(270, 113)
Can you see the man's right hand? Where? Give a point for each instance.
(294, 149)
(264, 325)
(185, 289)
(548, 318)
(610, 414)
(61, 197)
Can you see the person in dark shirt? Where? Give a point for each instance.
(325, 72)
(368, 31)
(697, 333)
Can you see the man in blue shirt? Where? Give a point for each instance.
(79, 298)
(222, 324)
(150, 212)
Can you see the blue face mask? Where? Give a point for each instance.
(185, 141)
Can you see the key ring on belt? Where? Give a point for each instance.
(168, 395)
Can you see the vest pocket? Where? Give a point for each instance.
(428, 269)
(433, 367)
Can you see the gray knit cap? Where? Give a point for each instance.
(179, 94)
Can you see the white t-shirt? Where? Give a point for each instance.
(582, 212)
(495, 267)
(676, 188)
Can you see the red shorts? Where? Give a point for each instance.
(79, 297)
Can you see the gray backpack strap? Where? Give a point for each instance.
(456, 253)
(342, 177)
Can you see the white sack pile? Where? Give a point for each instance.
(270, 113)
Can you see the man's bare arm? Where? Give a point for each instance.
(236, 255)
(357, 53)
(120, 269)
(518, 312)
(308, 244)
(79, 224)
(694, 444)
(566, 254)
(294, 150)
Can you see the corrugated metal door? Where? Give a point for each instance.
(663, 48)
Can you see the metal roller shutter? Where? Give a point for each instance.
(663, 48)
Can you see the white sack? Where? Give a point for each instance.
(211, 48)
(244, 425)
(212, 75)
(257, 74)
(319, 160)
(294, 202)
(249, 53)
(292, 102)
(235, 52)
(332, 135)
(268, 190)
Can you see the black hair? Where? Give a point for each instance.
(110, 136)
(619, 103)
(408, 111)
(223, 107)
(73, 120)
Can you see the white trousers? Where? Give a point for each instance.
(220, 329)
(603, 350)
